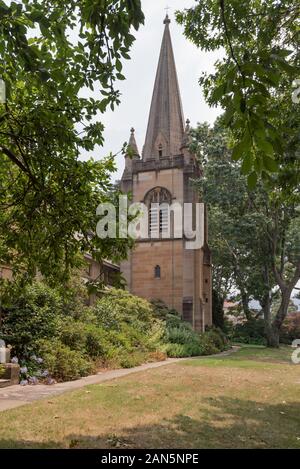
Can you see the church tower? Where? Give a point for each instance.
(162, 268)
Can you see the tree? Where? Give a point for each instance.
(254, 235)
(51, 53)
(217, 309)
(254, 85)
(260, 39)
(237, 245)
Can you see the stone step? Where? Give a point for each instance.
(5, 382)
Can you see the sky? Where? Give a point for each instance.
(136, 90)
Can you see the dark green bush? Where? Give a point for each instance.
(85, 338)
(176, 350)
(97, 343)
(35, 315)
(219, 337)
(161, 311)
(183, 341)
(174, 320)
(73, 335)
(250, 332)
(180, 335)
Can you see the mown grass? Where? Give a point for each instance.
(249, 399)
(262, 356)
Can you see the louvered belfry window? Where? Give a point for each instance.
(158, 201)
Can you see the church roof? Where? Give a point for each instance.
(165, 125)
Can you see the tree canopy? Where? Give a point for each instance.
(260, 40)
(61, 62)
(254, 234)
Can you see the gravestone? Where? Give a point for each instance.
(9, 372)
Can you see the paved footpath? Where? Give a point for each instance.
(16, 396)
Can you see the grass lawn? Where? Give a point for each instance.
(249, 399)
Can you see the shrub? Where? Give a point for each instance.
(182, 350)
(207, 345)
(97, 341)
(62, 362)
(85, 338)
(154, 336)
(176, 350)
(161, 310)
(219, 338)
(290, 329)
(182, 341)
(119, 340)
(136, 338)
(174, 320)
(130, 360)
(35, 315)
(157, 356)
(73, 335)
(75, 297)
(119, 306)
(181, 335)
(119, 330)
(250, 332)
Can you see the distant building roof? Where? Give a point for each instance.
(230, 304)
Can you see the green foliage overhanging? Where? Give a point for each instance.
(61, 62)
(254, 234)
(253, 83)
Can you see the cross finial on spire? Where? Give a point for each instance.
(167, 19)
(132, 144)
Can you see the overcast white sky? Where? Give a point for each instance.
(140, 74)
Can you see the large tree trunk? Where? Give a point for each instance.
(266, 307)
(272, 335)
(273, 329)
(245, 304)
(217, 309)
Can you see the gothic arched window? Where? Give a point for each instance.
(157, 271)
(158, 201)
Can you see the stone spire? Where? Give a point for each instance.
(165, 126)
(132, 154)
(186, 140)
(132, 144)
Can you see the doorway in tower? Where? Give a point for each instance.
(187, 310)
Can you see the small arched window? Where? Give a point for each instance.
(157, 271)
(160, 150)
